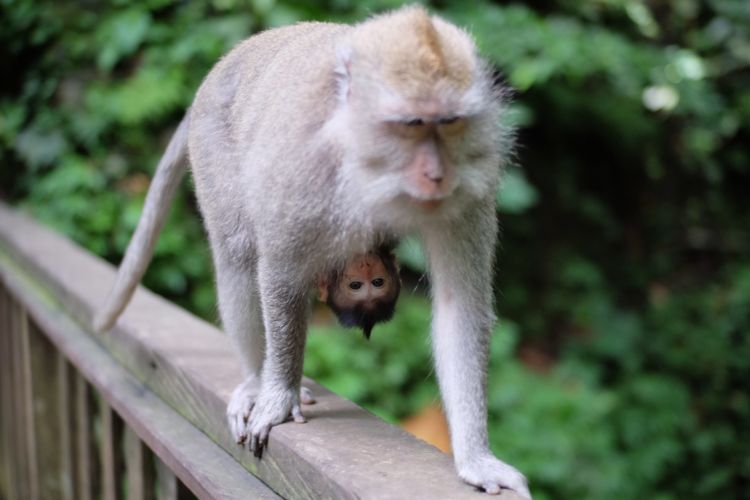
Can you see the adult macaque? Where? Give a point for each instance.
(365, 291)
(314, 143)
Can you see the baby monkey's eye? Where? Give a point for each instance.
(416, 122)
(355, 285)
(378, 282)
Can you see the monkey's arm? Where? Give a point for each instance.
(285, 303)
(461, 275)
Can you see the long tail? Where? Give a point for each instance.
(169, 172)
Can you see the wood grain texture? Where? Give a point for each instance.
(342, 452)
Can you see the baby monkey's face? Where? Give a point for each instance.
(365, 281)
(365, 292)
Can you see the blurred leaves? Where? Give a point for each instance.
(120, 35)
(516, 194)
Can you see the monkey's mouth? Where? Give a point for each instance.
(429, 204)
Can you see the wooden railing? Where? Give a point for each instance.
(139, 412)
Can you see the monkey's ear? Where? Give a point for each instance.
(343, 75)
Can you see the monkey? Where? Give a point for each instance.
(313, 143)
(365, 291)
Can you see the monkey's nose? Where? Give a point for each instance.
(436, 177)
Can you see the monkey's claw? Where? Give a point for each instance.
(259, 441)
(492, 476)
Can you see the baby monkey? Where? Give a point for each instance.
(365, 291)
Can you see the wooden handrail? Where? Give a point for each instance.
(172, 363)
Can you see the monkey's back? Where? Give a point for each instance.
(245, 125)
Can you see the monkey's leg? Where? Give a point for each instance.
(239, 304)
(285, 302)
(461, 273)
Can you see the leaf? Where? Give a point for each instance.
(121, 35)
(516, 194)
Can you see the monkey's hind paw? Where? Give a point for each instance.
(493, 475)
(240, 406)
(306, 396)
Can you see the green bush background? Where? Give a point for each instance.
(621, 367)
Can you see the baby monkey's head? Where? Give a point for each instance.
(365, 291)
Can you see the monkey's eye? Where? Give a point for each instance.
(416, 122)
(378, 282)
(355, 285)
(448, 120)
(451, 126)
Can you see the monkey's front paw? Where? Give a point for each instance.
(240, 406)
(272, 408)
(493, 475)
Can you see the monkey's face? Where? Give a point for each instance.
(421, 157)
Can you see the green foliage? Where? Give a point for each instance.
(625, 256)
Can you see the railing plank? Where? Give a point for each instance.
(343, 451)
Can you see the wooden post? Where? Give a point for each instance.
(141, 483)
(48, 435)
(85, 476)
(27, 402)
(166, 482)
(66, 405)
(109, 451)
(18, 404)
(7, 452)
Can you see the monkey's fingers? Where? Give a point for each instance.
(238, 425)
